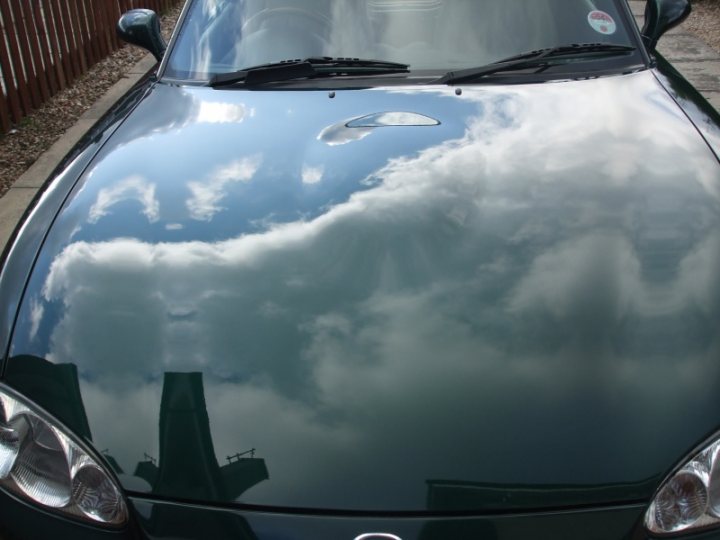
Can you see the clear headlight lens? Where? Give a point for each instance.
(41, 461)
(690, 499)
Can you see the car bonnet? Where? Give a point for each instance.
(386, 300)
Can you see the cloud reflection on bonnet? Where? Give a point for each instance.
(509, 260)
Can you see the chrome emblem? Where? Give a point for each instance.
(377, 536)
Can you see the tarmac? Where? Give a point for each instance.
(698, 63)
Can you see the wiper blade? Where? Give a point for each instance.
(287, 70)
(323, 62)
(573, 49)
(538, 58)
(280, 71)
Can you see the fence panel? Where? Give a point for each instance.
(45, 45)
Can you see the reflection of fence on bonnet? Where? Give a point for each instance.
(45, 45)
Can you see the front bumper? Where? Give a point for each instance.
(152, 519)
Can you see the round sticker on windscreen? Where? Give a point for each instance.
(602, 23)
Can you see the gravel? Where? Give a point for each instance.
(704, 22)
(37, 132)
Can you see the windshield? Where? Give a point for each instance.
(221, 36)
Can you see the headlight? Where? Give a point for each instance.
(690, 499)
(42, 462)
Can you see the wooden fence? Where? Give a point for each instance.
(45, 45)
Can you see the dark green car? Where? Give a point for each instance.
(374, 270)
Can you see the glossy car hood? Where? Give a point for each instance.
(506, 299)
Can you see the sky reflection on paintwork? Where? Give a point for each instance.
(132, 188)
(505, 305)
(210, 139)
(206, 195)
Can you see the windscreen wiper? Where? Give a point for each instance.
(288, 70)
(539, 58)
(323, 62)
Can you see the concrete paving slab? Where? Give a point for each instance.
(637, 7)
(713, 98)
(680, 47)
(143, 66)
(12, 207)
(705, 76)
(36, 175)
(120, 88)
